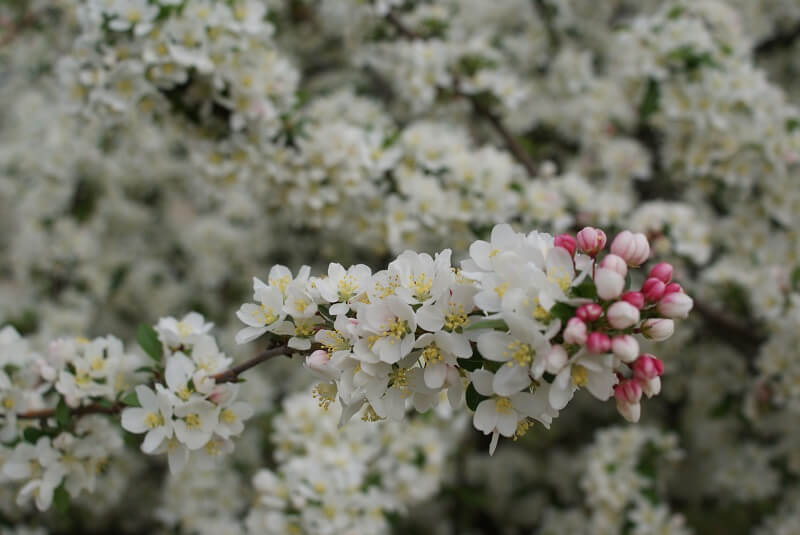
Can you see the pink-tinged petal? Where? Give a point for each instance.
(601, 384)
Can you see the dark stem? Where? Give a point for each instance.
(232, 374)
(778, 41)
(226, 376)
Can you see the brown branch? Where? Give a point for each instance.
(740, 334)
(778, 41)
(479, 107)
(13, 29)
(232, 374)
(226, 376)
(94, 408)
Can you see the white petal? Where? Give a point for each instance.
(482, 381)
(494, 345)
(510, 379)
(485, 417)
(435, 375)
(133, 420)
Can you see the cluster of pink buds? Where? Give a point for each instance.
(611, 323)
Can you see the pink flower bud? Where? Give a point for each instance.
(675, 305)
(598, 343)
(661, 271)
(630, 411)
(647, 366)
(672, 287)
(617, 263)
(319, 363)
(634, 298)
(658, 329)
(591, 240)
(653, 289)
(567, 242)
(633, 248)
(575, 332)
(589, 312)
(625, 347)
(628, 390)
(556, 359)
(628, 394)
(622, 315)
(609, 283)
(651, 387)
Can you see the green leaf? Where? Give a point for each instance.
(562, 311)
(32, 434)
(795, 278)
(675, 12)
(105, 403)
(585, 289)
(792, 124)
(473, 397)
(63, 415)
(488, 324)
(61, 499)
(471, 364)
(131, 400)
(147, 338)
(650, 102)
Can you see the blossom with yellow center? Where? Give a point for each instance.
(580, 376)
(455, 318)
(519, 352)
(153, 420)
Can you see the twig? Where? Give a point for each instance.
(479, 107)
(777, 41)
(226, 376)
(233, 373)
(729, 328)
(94, 408)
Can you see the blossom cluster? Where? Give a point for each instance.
(52, 456)
(333, 480)
(623, 476)
(157, 51)
(523, 324)
(189, 411)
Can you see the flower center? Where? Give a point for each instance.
(519, 352)
(580, 376)
(193, 421)
(347, 288)
(396, 328)
(455, 318)
(421, 286)
(432, 354)
(503, 405)
(153, 420)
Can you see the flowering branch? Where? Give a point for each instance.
(232, 374)
(227, 376)
(479, 107)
